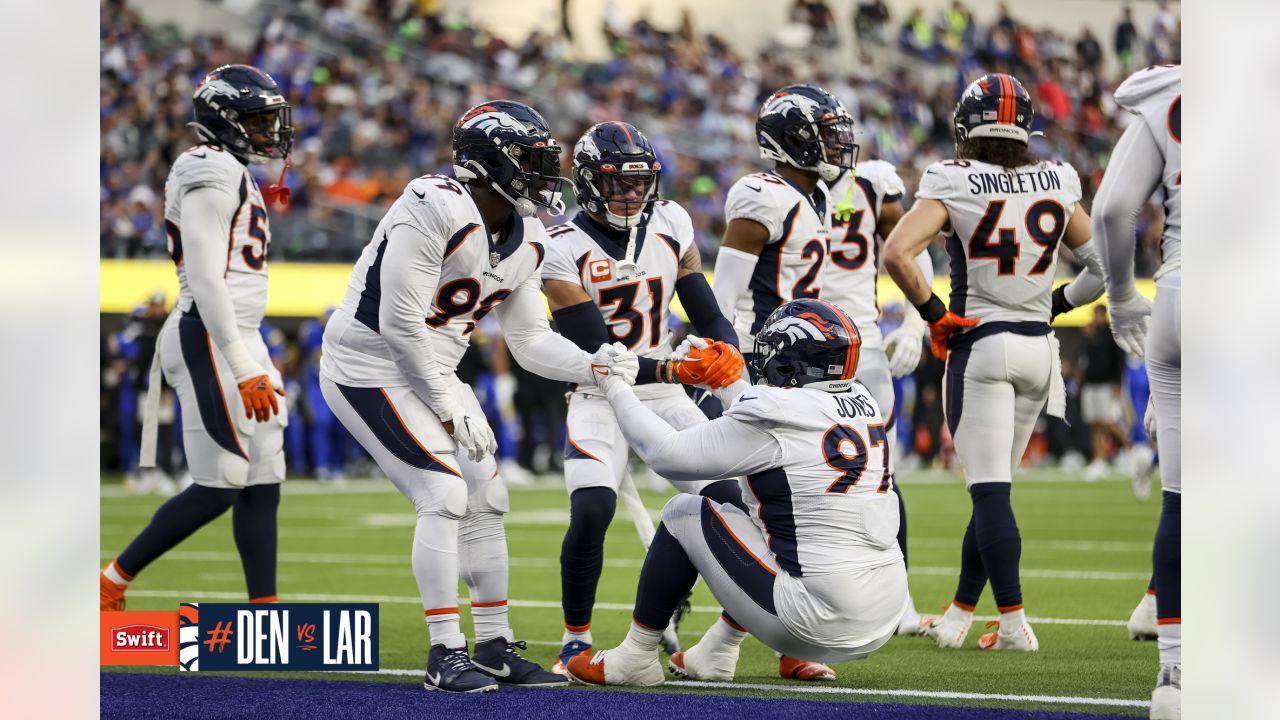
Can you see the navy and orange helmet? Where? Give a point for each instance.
(240, 108)
(994, 106)
(615, 164)
(807, 343)
(509, 145)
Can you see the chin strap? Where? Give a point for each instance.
(277, 194)
(627, 267)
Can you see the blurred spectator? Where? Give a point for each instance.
(917, 36)
(869, 21)
(1089, 51)
(1126, 37)
(1100, 398)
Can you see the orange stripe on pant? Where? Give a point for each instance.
(429, 612)
(495, 603)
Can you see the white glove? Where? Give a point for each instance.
(904, 345)
(614, 364)
(473, 435)
(1129, 318)
(1149, 419)
(689, 342)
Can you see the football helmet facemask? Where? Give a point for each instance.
(807, 343)
(993, 106)
(240, 108)
(615, 168)
(808, 128)
(509, 145)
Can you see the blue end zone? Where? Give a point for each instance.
(169, 697)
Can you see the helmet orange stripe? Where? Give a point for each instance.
(625, 131)
(855, 341)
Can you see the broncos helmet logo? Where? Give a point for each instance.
(488, 120)
(805, 326)
(211, 89)
(587, 145)
(783, 102)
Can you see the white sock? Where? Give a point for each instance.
(642, 638)
(1011, 620)
(435, 568)
(114, 574)
(482, 558)
(1169, 640)
(571, 635)
(722, 634)
(955, 612)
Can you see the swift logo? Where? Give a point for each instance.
(139, 637)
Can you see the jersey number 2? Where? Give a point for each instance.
(1006, 249)
(845, 450)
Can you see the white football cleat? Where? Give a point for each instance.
(1142, 623)
(948, 632)
(910, 622)
(618, 666)
(1014, 637)
(1166, 699)
(699, 663)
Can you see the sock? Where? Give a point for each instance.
(958, 613)
(253, 523)
(581, 633)
(1151, 586)
(482, 558)
(173, 522)
(1012, 619)
(1167, 560)
(973, 575)
(1169, 641)
(435, 569)
(582, 554)
(666, 576)
(726, 492)
(724, 633)
(642, 638)
(113, 573)
(902, 525)
(999, 543)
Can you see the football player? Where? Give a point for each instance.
(868, 204)
(1148, 158)
(210, 349)
(1005, 213)
(610, 275)
(449, 251)
(813, 570)
(779, 225)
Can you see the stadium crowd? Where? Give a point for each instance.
(375, 94)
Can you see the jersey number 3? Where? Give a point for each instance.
(845, 450)
(1045, 223)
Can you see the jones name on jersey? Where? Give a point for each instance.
(791, 265)
(250, 235)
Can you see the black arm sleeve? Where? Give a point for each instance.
(700, 304)
(583, 325)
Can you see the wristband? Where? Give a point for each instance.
(932, 310)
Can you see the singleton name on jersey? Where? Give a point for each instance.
(1040, 180)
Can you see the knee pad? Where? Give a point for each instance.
(490, 497)
(683, 505)
(447, 498)
(593, 508)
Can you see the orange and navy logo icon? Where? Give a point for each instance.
(129, 637)
(600, 270)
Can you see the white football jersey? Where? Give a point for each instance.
(635, 307)
(828, 506)
(791, 265)
(853, 260)
(1004, 234)
(250, 235)
(474, 279)
(1155, 95)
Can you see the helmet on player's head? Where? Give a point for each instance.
(807, 343)
(509, 145)
(240, 108)
(615, 165)
(993, 106)
(807, 127)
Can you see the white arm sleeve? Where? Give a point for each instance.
(206, 223)
(409, 275)
(723, 448)
(1132, 176)
(523, 318)
(733, 275)
(1088, 285)
(925, 263)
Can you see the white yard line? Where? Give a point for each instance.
(214, 595)
(820, 690)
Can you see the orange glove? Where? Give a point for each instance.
(260, 398)
(941, 329)
(716, 365)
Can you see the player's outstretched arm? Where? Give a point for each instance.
(723, 448)
(523, 318)
(736, 260)
(207, 213)
(699, 302)
(1087, 286)
(1133, 174)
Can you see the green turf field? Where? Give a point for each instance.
(1085, 563)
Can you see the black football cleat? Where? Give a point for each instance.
(497, 658)
(450, 670)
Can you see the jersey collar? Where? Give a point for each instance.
(513, 240)
(612, 248)
(817, 200)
